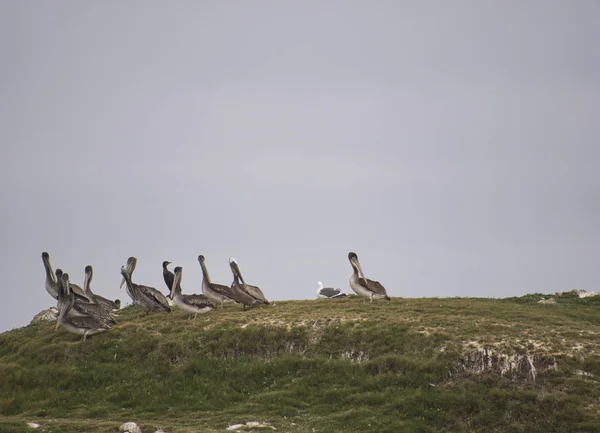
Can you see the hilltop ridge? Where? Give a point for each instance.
(425, 364)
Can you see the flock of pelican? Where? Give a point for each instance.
(83, 312)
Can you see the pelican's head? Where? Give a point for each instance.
(45, 255)
(131, 264)
(201, 258)
(124, 271)
(232, 260)
(355, 264)
(59, 273)
(88, 269)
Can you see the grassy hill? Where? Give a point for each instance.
(422, 365)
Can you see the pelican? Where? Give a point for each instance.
(168, 275)
(196, 304)
(97, 299)
(145, 297)
(73, 288)
(217, 293)
(238, 283)
(131, 264)
(81, 325)
(361, 285)
(329, 292)
(81, 307)
(51, 282)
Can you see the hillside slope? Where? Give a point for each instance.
(423, 365)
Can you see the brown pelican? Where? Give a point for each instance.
(131, 264)
(73, 288)
(81, 307)
(239, 284)
(145, 297)
(329, 292)
(97, 299)
(217, 293)
(361, 285)
(168, 276)
(196, 304)
(51, 282)
(81, 325)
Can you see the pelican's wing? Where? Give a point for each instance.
(375, 287)
(154, 296)
(256, 293)
(198, 301)
(88, 322)
(224, 290)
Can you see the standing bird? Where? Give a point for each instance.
(147, 298)
(329, 292)
(131, 264)
(361, 285)
(196, 304)
(73, 288)
(168, 275)
(51, 282)
(81, 307)
(97, 299)
(239, 283)
(217, 293)
(81, 325)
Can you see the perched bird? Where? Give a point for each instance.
(131, 264)
(81, 307)
(147, 298)
(168, 275)
(73, 288)
(81, 325)
(217, 293)
(361, 285)
(196, 304)
(329, 292)
(97, 299)
(238, 283)
(51, 282)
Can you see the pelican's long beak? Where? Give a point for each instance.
(360, 271)
(176, 282)
(235, 268)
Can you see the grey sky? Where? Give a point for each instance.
(453, 145)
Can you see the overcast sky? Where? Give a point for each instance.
(454, 146)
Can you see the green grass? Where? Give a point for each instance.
(412, 365)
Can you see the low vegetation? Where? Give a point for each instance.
(411, 365)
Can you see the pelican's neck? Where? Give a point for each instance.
(239, 274)
(86, 284)
(205, 274)
(236, 280)
(177, 286)
(50, 277)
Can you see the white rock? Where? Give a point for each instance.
(547, 301)
(33, 425)
(130, 427)
(235, 426)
